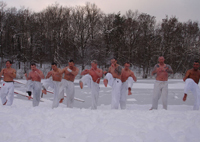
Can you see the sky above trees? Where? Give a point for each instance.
(184, 10)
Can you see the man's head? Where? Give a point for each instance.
(71, 63)
(94, 64)
(127, 65)
(33, 66)
(196, 65)
(113, 62)
(161, 60)
(54, 66)
(8, 64)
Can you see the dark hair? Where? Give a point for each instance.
(33, 64)
(54, 63)
(71, 60)
(114, 58)
(127, 62)
(196, 61)
(9, 61)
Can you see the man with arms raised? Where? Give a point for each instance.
(191, 79)
(34, 84)
(113, 79)
(55, 83)
(92, 78)
(7, 88)
(162, 71)
(70, 72)
(127, 78)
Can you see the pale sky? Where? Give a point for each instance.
(184, 10)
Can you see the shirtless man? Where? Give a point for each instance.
(34, 84)
(7, 88)
(191, 79)
(127, 82)
(55, 83)
(113, 79)
(161, 84)
(92, 78)
(70, 72)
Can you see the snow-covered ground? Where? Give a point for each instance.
(23, 123)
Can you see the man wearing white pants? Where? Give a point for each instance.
(191, 79)
(92, 78)
(7, 88)
(161, 84)
(55, 83)
(113, 79)
(127, 78)
(34, 84)
(70, 72)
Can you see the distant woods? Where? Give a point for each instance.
(85, 33)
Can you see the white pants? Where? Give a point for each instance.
(124, 92)
(190, 85)
(36, 88)
(87, 79)
(7, 93)
(116, 84)
(70, 91)
(160, 89)
(56, 85)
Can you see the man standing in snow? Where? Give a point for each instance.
(92, 78)
(113, 79)
(161, 84)
(127, 78)
(191, 79)
(7, 88)
(34, 84)
(55, 83)
(70, 72)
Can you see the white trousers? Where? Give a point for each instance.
(70, 91)
(124, 92)
(160, 89)
(7, 93)
(87, 80)
(36, 88)
(190, 85)
(116, 84)
(56, 85)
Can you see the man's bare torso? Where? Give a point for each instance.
(94, 76)
(34, 76)
(7, 72)
(162, 74)
(115, 71)
(56, 75)
(195, 75)
(68, 75)
(125, 74)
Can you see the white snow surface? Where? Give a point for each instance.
(23, 123)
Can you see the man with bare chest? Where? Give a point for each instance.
(161, 84)
(7, 88)
(113, 79)
(34, 84)
(70, 72)
(92, 78)
(55, 83)
(191, 79)
(127, 78)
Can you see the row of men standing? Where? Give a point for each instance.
(120, 79)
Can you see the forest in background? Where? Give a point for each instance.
(85, 33)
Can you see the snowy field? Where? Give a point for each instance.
(23, 123)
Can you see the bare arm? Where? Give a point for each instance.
(99, 72)
(27, 78)
(40, 74)
(84, 72)
(169, 69)
(133, 76)
(186, 75)
(49, 74)
(75, 72)
(154, 69)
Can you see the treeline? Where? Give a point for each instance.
(84, 33)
